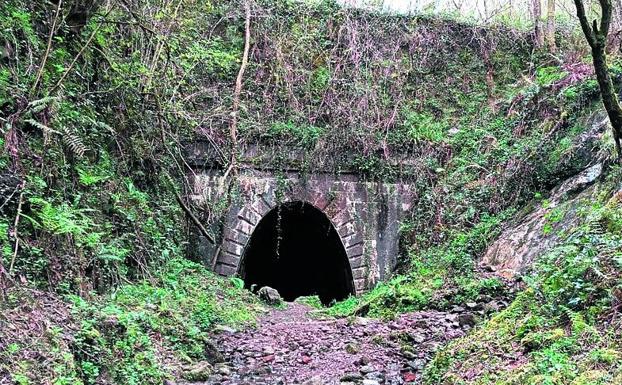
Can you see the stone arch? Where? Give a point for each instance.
(338, 209)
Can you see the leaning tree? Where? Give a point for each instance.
(596, 35)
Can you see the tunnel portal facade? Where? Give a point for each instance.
(365, 217)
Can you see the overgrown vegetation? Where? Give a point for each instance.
(138, 334)
(563, 329)
(98, 98)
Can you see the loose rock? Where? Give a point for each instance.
(270, 296)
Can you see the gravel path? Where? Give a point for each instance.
(290, 347)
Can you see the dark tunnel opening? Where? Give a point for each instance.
(296, 250)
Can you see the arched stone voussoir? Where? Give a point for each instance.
(235, 236)
(249, 215)
(342, 218)
(356, 251)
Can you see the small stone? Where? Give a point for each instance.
(362, 321)
(375, 376)
(223, 370)
(418, 338)
(268, 350)
(417, 365)
(351, 377)
(352, 348)
(268, 358)
(269, 295)
(367, 369)
(367, 381)
(472, 305)
(305, 359)
(224, 329)
(314, 381)
(198, 372)
(467, 319)
(491, 307)
(410, 377)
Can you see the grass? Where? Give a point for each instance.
(562, 328)
(139, 334)
(438, 278)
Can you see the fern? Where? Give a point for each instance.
(41, 104)
(70, 139)
(74, 142)
(103, 126)
(41, 126)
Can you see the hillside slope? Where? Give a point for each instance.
(97, 100)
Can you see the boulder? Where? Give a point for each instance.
(533, 233)
(200, 371)
(269, 295)
(212, 353)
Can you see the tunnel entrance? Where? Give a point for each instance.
(296, 250)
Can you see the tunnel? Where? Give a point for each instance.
(296, 250)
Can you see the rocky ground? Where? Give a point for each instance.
(290, 346)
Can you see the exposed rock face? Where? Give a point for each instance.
(540, 230)
(269, 295)
(534, 232)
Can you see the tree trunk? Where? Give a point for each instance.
(596, 36)
(537, 24)
(550, 26)
(608, 94)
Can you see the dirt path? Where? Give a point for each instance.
(290, 347)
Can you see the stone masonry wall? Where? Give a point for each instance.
(366, 216)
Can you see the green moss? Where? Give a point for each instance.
(554, 330)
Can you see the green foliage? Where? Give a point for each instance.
(131, 335)
(312, 301)
(303, 135)
(182, 307)
(320, 80)
(424, 126)
(343, 308)
(546, 76)
(438, 277)
(557, 322)
(214, 56)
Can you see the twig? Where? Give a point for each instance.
(75, 59)
(9, 198)
(194, 219)
(215, 259)
(47, 50)
(15, 224)
(238, 84)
